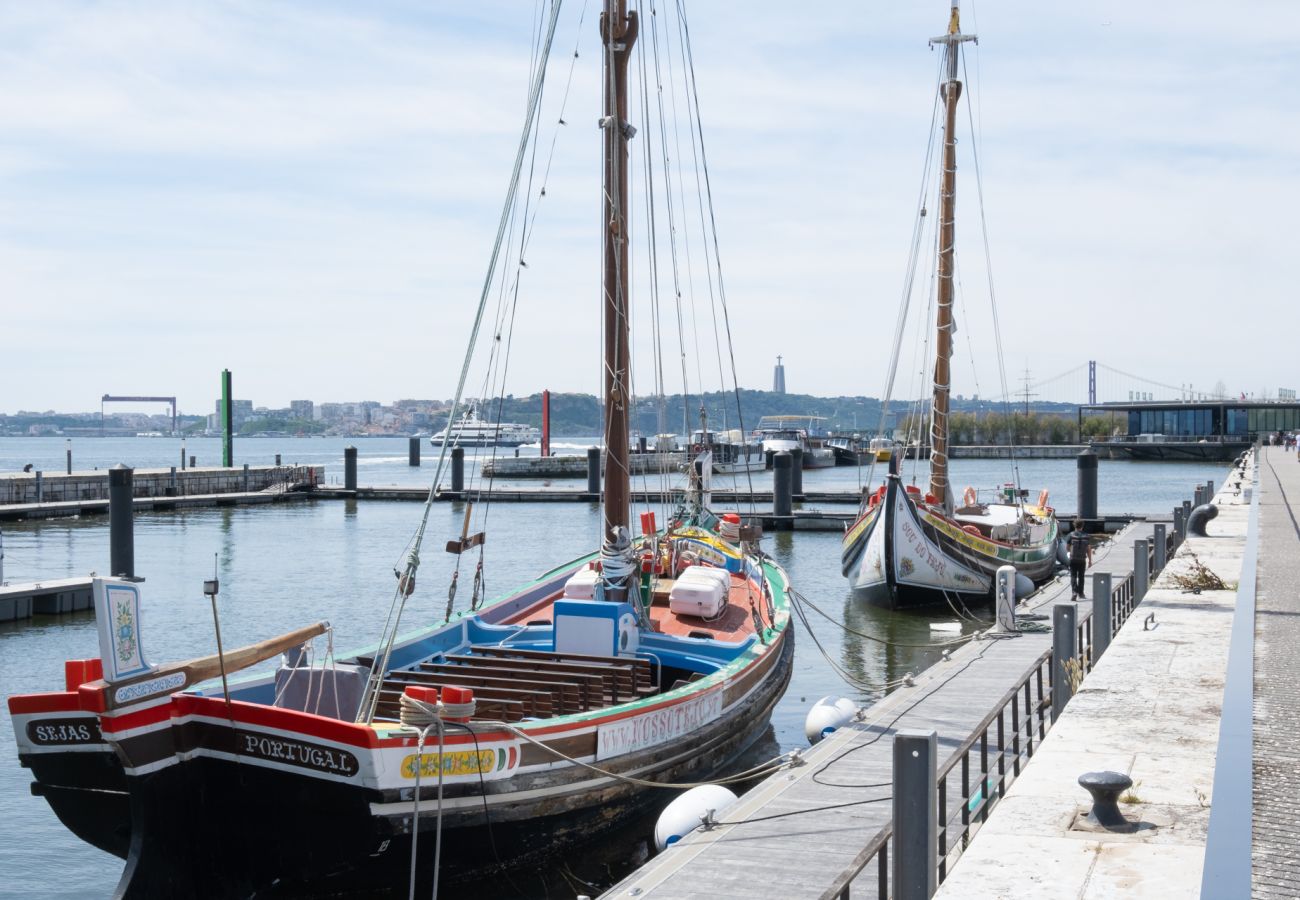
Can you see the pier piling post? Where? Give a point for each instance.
(1065, 649)
(796, 472)
(1161, 555)
(246, 478)
(183, 455)
(782, 484)
(192, 459)
(413, 452)
(171, 484)
(593, 472)
(1187, 514)
(1178, 525)
(1102, 616)
(277, 459)
(458, 468)
(1141, 572)
(916, 820)
(121, 526)
(69, 456)
(1086, 462)
(349, 468)
(1209, 491)
(40, 486)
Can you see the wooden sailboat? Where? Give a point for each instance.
(652, 661)
(910, 547)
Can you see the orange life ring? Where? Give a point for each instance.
(971, 529)
(1042, 498)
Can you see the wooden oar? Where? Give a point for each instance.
(175, 677)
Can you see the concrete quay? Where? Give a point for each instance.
(53, 597)
(27, 496)
(1150, 709)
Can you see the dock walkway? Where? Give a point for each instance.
(1276, 820)
(806, 832)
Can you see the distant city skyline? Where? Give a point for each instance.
(307, 195)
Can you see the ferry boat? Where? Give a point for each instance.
(471, 431)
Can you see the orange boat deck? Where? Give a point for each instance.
(735, 623)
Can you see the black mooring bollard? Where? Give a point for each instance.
(458, 468)
(782, 484)
(1087, 499)
(796, 471)
(593, 471)
(121, 526)
(413, 452)
(349, 468)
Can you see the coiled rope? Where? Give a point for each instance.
(424, 716)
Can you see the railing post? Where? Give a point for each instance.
(1065, 649)
(1102, 616)
(1141, 574)
(1161, 555)
(916, 820)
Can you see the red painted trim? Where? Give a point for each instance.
(290, 720)
(154, 715)
(61, 701)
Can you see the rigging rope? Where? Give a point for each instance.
(392, 623)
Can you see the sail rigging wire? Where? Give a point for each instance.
(988, 268)
(392, 622)
(909, 280)
(717, 253)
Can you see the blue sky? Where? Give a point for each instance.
(306, 193)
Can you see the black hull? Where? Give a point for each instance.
(88, 793)
(271, 832)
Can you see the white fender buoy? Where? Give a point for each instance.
(683, 815)
(1024, 586)
(826, 715)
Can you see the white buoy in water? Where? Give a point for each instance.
(826, 715)
(684, 814)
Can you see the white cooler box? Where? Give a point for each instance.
(700, 591)
(582, 585)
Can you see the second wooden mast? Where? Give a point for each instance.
(939, 484)
(618, 29)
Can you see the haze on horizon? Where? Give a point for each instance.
(307, 193)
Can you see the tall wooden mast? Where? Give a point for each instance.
(951, 89)
(618, 29)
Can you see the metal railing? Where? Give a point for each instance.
(975, 775)
(978, 773)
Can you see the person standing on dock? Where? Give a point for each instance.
(1080, 558)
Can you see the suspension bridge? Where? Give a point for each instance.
(1094, 382)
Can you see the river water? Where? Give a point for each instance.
(287, 565)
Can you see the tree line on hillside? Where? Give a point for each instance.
(581, 414)
(967, 428)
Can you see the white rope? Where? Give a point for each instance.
(421, 715)
(775, 764)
